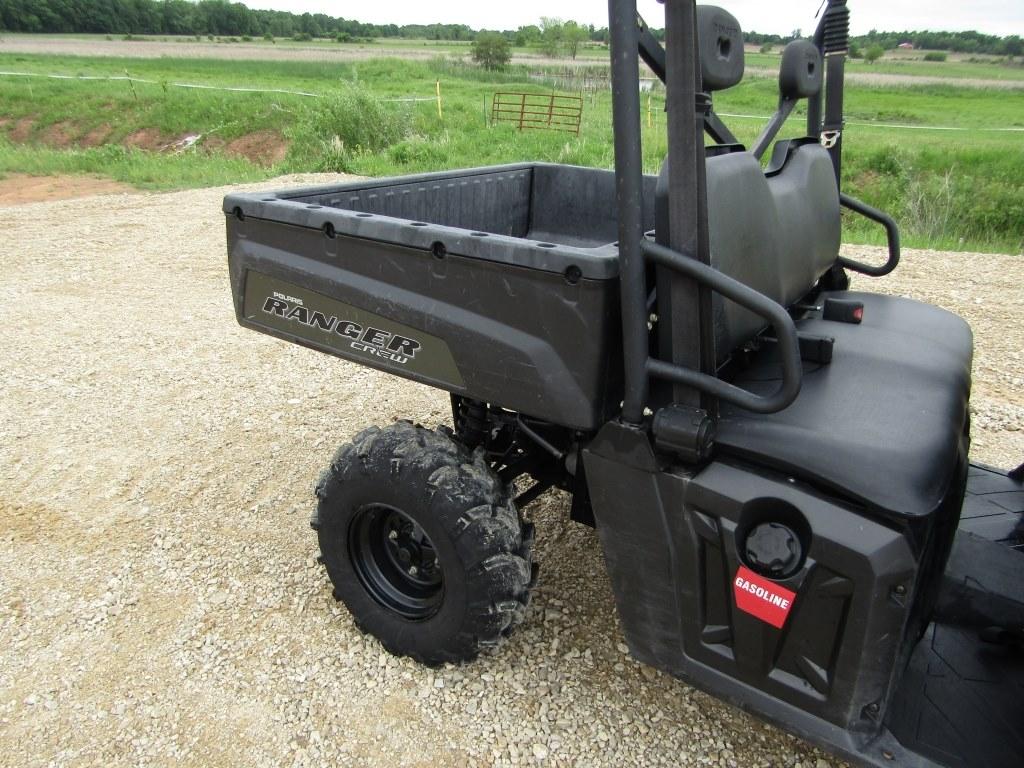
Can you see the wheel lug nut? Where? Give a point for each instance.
(393, 535)
(413, 570)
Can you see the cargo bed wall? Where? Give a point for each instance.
(496, 202)
(559, 204)
(525, 339)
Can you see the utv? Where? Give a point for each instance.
(776, 465)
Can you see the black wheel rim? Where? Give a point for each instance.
(396, 561)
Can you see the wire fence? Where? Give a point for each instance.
(129, 79)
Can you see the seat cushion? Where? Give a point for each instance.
(882, 423)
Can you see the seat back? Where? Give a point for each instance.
(777, 233)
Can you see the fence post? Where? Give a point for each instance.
(131, 84)
(438, 85)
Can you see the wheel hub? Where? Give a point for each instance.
(396, 561)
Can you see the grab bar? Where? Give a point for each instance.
(758, 303)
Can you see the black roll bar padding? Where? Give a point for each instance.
(625, 71)
(745, 296)
(892, 236)
(687, 337)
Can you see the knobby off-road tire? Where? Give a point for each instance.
(423, 543)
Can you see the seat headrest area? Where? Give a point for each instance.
(720, 40)
(777, 234)
(801, 71)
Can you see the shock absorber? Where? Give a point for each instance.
(471, 422)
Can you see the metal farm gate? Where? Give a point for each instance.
(549, 111)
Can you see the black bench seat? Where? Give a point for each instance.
(882, 423)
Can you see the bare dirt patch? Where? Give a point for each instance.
(148, 138)
(60, 135)
(22, 129)
(213, 143)
(18, 189)
(97, 136)
(265, 148)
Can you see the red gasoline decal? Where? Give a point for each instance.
(762, 597)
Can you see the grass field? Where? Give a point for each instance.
(949, 189)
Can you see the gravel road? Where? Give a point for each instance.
(159, 599)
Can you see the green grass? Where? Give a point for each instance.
(959, 189)
(146, 170)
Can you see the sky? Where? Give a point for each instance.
(995, 17)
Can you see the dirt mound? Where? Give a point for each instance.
(262, 147)
(19, 189)
(266, 148)
(97, 136)
(148, 138)
(22, 129)
(60, 135)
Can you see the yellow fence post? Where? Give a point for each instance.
(439, 116)
(649, 123)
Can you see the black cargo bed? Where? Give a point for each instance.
(498, 282)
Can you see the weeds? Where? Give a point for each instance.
(343, 127)
(930, 206)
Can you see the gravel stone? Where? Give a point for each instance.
(160, 602)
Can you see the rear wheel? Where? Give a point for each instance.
(423, 543)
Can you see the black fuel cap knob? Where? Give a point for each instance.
(773, 550)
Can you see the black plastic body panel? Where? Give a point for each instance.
(672, 540)
(522, 338)
(671, 545)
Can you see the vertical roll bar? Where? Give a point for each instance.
(622, 22)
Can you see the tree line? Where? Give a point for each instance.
(224, 18)
(228, 19)
(959, 42)
(206, 17)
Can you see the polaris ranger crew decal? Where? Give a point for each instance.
(346, 330)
